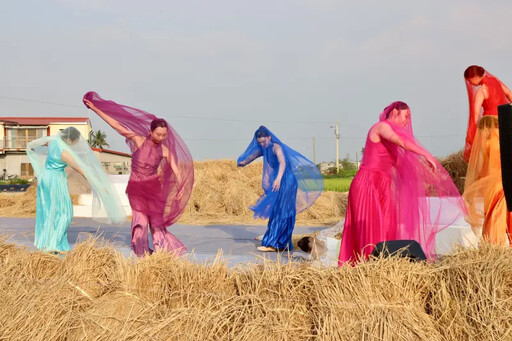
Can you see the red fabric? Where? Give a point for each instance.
(489, 106)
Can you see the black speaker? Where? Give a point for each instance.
(399, 248)
(505, 127)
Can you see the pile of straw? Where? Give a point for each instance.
(456, 167)
(23, 204)
(19, 204)
(222, 194)
(96, 294)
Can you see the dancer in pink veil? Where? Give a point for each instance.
(162, 173)
(392, 194)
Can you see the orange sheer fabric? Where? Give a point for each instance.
(483, 191)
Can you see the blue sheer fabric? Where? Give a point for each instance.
(301, 184)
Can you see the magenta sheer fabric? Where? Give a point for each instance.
(396, 195)
(153, 185)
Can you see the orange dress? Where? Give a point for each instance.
(483, 190)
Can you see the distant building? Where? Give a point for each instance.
(114, 162)
(17, 132)
(325, 167)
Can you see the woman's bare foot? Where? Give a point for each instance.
(267, 249)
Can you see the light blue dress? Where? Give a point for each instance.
(54, 210)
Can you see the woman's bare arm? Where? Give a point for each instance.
(282, 165)
(115, 125)
(249, 159)
(172, 163)
(68, 159)
(507, 91)
(387, 133)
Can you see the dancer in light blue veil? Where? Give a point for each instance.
(49, 157)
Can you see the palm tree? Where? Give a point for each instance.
(98, 139)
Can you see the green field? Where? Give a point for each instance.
(337, 184)
(340, 182)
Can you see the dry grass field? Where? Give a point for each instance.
(94, 293)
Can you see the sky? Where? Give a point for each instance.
(216, 70)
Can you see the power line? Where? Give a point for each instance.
(225, 120)
(247, 120)
(202, 118)
(43, 102)
(244, 139)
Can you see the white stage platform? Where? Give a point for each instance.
(458, 233)
(84, 207)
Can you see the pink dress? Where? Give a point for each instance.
(370, 216)
(148, 202)
(397, 195)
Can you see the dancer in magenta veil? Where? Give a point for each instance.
(392, 195)
(162, 173)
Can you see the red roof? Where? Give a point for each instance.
(44, 121)
(99, 150)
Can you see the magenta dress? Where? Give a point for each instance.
(152, 189)
(148, 202)
(370, 216)
(397, 195)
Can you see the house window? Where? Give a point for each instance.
(19, 138)
(26, 170)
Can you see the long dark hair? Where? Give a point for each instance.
(474, 70)
(158, 123)
(262, 132)
(70, 133)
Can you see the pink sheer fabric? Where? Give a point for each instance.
(397, 195)
(153, 186)
(162, 239)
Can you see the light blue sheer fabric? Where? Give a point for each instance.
(54, 210)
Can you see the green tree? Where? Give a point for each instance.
(98, 139)
(347, 164)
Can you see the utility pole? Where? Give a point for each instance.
(314, 150)
(337, 134)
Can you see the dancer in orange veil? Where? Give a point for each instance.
(483, 190)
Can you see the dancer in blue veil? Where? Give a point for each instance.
(291, 183)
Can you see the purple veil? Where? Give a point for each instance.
(427, 200)
(138, 122)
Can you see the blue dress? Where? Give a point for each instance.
(283, 210)
(301, 184)
(54, 210)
